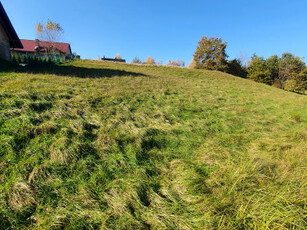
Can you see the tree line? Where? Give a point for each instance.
(287, 72)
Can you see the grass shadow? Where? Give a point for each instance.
(72, 71)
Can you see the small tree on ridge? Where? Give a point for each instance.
(150, 61)
(211, 54)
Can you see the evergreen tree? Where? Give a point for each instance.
(18, 59)
(236, 68)
(14, 59)
(136, 60)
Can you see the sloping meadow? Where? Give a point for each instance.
(94, 145)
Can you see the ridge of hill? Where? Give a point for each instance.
(98, 145)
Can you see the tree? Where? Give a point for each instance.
(272, 63)
(292, 73)
(289, 65)
(258, 71)
(301, 81)
(288, 72)
(297, 83)
(210, 54)
(118, 57)
(177, 63)
(76, 56)
(50, 32)
(235, 67)
(191, 64)
(150, 61)
(136, 60)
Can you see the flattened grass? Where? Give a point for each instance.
(98, 145)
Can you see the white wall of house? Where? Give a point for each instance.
(4, 45)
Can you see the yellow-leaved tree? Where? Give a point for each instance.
(50, 32)
(150, 61)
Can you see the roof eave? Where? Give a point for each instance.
(9, 29)
(70, 49)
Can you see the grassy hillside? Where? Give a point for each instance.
(92, 145)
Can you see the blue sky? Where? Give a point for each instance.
(167, 29)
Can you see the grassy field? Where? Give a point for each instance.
(93, 145)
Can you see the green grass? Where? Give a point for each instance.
(93, 145)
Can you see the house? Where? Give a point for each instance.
(8, 37)
(43, 49)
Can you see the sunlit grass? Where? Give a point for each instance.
(94, 145)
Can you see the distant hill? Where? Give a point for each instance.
(99, 145)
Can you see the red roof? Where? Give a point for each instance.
(30, 45)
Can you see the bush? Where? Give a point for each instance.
(34, 61)
(298, 82)
(262, 76)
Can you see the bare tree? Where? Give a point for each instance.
(50, 32)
